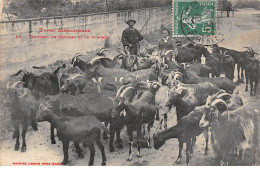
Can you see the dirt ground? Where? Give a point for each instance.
(244, 31)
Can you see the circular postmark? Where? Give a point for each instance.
(199, 24)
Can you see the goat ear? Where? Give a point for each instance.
(183, 92)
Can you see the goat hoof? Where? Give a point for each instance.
(103, 163)
(128, 159)
(139, 156)
(64, 162)
(53, 141)
(120, 145)
(206, 153)
(112, 149)
(23, 149)
(80, 155)
(178, 160)
(90, 164)
(16, 148)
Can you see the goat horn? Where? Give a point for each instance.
(77, 54)
(179, 73)
(24, 93)
(156, 57)
(131, 75)
(223, 94)
(8, 85)
(96, 58)
(111, 98)
(208, 100)
(102, 50)
(249, 48)
(16, 83)
(218, 101)
(176, 76)
(120, 90)
(168, 51)
(225, 53)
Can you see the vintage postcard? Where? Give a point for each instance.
(129, 83)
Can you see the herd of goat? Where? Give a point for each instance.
(134, 91)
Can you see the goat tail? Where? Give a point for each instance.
(20, 71)
(103, 127)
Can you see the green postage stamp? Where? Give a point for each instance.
(194, 17)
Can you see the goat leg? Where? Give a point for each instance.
(101, 148)
(138, 142)
(188, 150)
(112, 134)
(25, 126)
(246, 82)
(256, 84)
(130, 135)
(92, 152)
(105, 137)
(16, 134)
(53, 141)
(78, 150)
(180, 152)
(241, 154)
(165, 116)
(206, 135)
(251, 87)
(34, 121)
(238, 72)
(149, 137)
(242, 73)
(193, 142)
(119, 141)
(65, 144)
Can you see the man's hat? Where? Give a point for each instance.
(130, 20)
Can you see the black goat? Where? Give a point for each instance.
(81, 105)
(186, 54)
(185, 130)
(139, 112)
(45, 84)
(127, 93)
(252, 73)
(220, 63)
(200, 51)
(83, 129)
(186, 97)
(22, 108)
(240, 58)
(221, 82)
